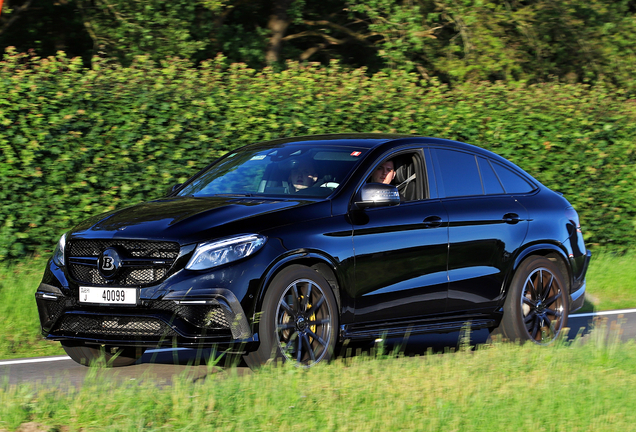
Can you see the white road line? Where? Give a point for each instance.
(50, 359)
(35, 360)
(613, 312)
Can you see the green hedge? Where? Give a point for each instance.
(77, 142)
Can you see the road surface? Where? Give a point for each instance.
(162, 365)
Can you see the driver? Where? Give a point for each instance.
(384, 173)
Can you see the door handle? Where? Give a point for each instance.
(432, 222)
(511, 218)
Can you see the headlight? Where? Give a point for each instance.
(58, 253)
(216, 253)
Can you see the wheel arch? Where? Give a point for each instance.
(319, 262)
(550, 251)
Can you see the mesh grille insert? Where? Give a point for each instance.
(128, 327)
(126, 277)
(203, 316)
(136, 248)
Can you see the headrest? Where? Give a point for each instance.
(403, 170)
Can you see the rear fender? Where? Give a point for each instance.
(555, 252)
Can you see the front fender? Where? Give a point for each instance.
(305, 257)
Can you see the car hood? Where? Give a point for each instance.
(188, 219)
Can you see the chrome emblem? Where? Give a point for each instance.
(109, 263)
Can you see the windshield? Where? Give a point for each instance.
(283, 170)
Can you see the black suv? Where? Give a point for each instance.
(284, 249)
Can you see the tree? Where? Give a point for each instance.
(510, 40)
(44, 26)
(453, 40)
(123, 29)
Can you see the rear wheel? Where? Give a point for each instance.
(537, 304)
(299, 319)
(111, 356)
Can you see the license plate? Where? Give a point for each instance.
(109, 295)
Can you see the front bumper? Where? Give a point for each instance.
(194, 318)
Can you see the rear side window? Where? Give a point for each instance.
(512, 182)
(492, 186)
(460, 174)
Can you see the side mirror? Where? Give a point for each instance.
(173, 188)
(377, 195)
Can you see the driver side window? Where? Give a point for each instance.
(403, 170)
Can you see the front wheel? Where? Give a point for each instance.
(537, 304)
(299, 319)
(112, 357)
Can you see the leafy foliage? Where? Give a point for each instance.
(78, 142)
(472, 40)
(124, 29)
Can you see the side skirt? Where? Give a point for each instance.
(358, 332)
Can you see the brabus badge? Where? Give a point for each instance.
(109, 263)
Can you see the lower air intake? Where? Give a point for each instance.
(125, 327)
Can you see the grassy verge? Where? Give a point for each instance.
(497, 387)
(611, 284)
(611, 281)
(19, 322)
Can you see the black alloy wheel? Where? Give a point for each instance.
(537, 304)
(88, 355)
(299, 321)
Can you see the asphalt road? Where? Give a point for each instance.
(162, 365)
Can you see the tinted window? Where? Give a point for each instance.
(489, 178)
(512, 182)
(459, 173)
(279, 170)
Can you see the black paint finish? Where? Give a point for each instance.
(426, 265)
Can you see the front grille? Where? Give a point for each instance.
(144, 262)
(115, 326)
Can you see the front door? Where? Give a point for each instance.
(401, 252)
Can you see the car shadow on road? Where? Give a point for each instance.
(410, 346)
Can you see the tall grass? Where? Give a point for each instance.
(499, 387)
(611, 284)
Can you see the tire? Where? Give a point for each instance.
(537, 305)
(299, 320)
(89, 354)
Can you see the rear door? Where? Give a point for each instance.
(486, 226)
